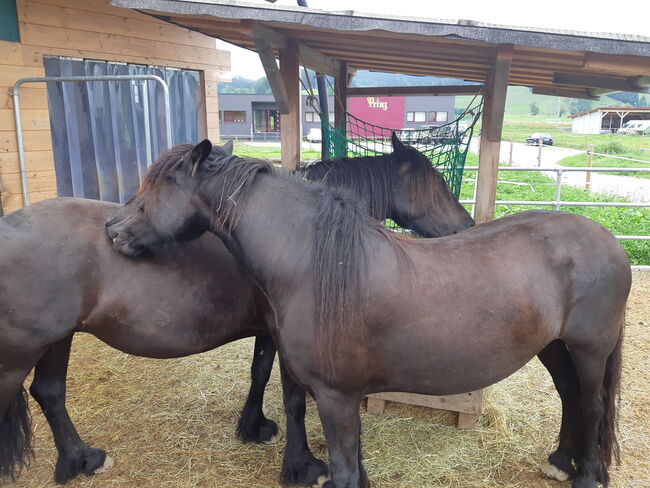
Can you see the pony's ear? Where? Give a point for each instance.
(199, 153)
(397, 144)
(228, 147)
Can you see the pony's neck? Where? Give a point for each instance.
(272, 237)
(368, 179)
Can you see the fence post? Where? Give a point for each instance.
(510, 157)
(539, 156)
(558, 189)
(590, 162)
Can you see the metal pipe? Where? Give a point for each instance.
(147, 128)
(565, 169)
(558, 190)
(46, 79)
(564, 204)
(618, 157)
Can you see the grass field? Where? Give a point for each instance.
(580, 160)
(520, 97)
(537, 187)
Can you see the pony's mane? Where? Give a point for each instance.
(374, 178)
(234, 190)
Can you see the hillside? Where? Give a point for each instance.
(519, 100)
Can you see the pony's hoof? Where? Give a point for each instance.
(87, 461)
(308, 472)
(259, 431)
(109, 462)
(559, 467)
(554, 472)
(321, 482)
(584, 483)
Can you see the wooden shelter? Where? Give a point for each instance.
(32, 30)
(551, 62)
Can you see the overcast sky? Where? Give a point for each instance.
(584, 15)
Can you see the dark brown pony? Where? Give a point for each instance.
(356, 309)
(60, 276)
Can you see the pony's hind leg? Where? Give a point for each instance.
(49, 390)
(253, 425)
(599, 375)
(555, 357)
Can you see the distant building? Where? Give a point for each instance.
(256, 117)
(606, 119)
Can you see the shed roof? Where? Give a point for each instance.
(631, 110)
(551, 61)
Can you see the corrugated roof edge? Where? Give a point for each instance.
(608, 43)
(622, 109)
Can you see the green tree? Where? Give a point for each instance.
(534, 108)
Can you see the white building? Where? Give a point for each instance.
(609, 119)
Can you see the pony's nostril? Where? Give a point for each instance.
(111, 233)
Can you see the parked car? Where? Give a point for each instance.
(407, 135)
(633, 127)
(314, 135)
(533, 139)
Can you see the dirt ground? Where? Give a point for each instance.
(171, 424)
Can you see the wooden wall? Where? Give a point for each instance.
(91, 29)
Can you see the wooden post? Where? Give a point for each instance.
(340, 108)
(539, 155)
(290, 131)
(375, 406)
(494, 103)
(512, 145)
(590, 163)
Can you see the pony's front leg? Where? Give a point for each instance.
(49, 390)
(339, 415)
(253, 425)
(299, 466)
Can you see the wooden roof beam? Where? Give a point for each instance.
(310, 58)
(565, 92)
(602, 82)
(389, 91)
(273, 75)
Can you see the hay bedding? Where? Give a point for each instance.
(171, 423)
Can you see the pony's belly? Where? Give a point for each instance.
(173, 337)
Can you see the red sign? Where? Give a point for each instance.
(385, 112)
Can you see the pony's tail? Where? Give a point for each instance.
(607, 442)
(15, 437)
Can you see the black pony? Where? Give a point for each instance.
(61, 276)
(356, 309)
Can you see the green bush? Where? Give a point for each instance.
(612, 147)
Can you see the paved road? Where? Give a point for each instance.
(633, 189)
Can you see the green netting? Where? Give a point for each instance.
(445, 145)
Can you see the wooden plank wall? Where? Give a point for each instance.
(91, 29)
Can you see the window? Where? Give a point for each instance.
(416, 116)
(311, 117)
(237, 116)
(437, 117)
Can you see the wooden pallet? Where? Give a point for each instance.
(468, 405)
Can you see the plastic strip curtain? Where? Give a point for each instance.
(105, 134)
